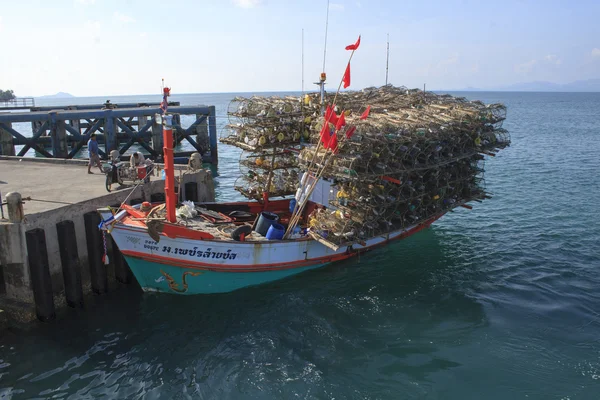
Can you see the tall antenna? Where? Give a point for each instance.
(387, 61)
(303, 62)
(326, 26)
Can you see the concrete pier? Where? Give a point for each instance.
(53, 192)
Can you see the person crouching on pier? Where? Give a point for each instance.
(137, 160)
(93, 154)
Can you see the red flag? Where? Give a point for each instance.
(333, 142)
(330, 115)
(346, 78)
(366, 113)
(354, 46)
(325, 135)
(350, 132)
(340, 122)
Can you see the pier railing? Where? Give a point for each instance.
(62, 133)
(17, 103)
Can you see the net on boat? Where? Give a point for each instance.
(415, 156)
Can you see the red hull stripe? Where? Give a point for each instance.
(235, 267)
(267, 267)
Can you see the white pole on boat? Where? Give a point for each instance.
(302, 64)
(387, 61)
(326, 26)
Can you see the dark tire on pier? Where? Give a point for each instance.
(108, 182)
(244, 229)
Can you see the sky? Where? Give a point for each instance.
(125, 47)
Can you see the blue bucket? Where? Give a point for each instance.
(265, 221)
(275, 232)
(292, 205)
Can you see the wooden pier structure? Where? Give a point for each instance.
(62, 132)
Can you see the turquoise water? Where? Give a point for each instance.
(500, 302)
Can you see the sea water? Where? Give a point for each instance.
(499, 302)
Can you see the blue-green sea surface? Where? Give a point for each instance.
(500, 302)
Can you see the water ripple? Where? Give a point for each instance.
(497, 302)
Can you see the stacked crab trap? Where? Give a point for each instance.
(414, 157)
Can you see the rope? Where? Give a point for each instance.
(105, 260)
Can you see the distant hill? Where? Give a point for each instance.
(59, 95)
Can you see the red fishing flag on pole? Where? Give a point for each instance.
(325, 135)
(333, 142)
(350, 132)
(340, 122)
(346, 79)
(330, 115)
(366, 113)
(355, 45)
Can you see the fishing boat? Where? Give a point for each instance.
(364, 182)
(200, 258)
(218, 250)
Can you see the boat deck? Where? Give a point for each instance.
(217, 221)
(221, 231)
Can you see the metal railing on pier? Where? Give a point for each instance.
(62, 132)
(18, 103)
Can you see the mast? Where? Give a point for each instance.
(323, 77)
(170, 196)
(387, 61)
(302, 64)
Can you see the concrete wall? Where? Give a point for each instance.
(13, 249)
(15, 266)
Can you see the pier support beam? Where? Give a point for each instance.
(110, 135)
(69, 257)
(157, 136)
(39, 269)
(202, 137)
(60, 148)
(95, 248)
(212, 129)
(7, 147)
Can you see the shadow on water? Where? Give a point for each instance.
(370, 326)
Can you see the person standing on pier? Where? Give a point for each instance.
(93, 154)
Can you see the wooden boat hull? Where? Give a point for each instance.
(157, 277)
(187, 266)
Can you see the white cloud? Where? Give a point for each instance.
(596, 52)
(553, 59)
(336, 7)
(0, 22)
(85, 2)
(122, 17)
(143, 34)
(247, 3)
(525, 67)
